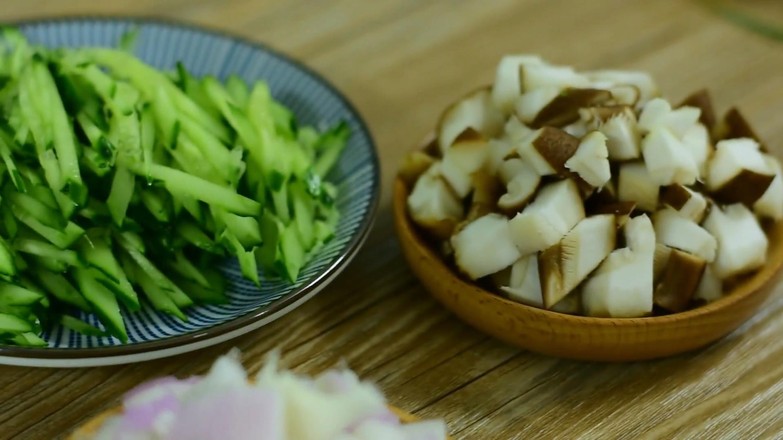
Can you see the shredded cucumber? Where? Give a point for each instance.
(123, 185)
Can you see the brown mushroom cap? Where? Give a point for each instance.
(679, 282)
(564, 109)
(701, 99)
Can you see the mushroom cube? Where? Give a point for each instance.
(622, 286)
(687, 202)
(484, 246)
(710, 286)
(641, 80)
(433, 205)
(533, 101)
(520, 187)
(771, 203)
(536, 76)
(742, 244)
(681, 233)
(679, 282)
(697, 142)
(475, 112)
(556, 209)
(465, 157)
(524, 282)
(635, 184)
(590, 161)
(622, 136)
(658, 113)
(507, 86)
(667, 160)
(565, 265)
(547, 150)
(738, 172)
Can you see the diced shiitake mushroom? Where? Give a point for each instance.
(771, 202)
(556, 209)
(524, 284)
(622, 286)
(433, 205)
(565, 265)
(474, 113)
(521, 184)
(540, 148)
(467, 155)
(508, 86)
(682, 233)
(679, 282)
(484, 246)
(687, 202)
(738, 172)
(590, 160)
(635, 184)
(742, 244)
(547, 150)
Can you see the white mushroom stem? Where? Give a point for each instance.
(738, 172)
(681, 233)
(658, 113)
(635, 184)
(622, 136)
(622, 286)
(641, 80)
(771, 202)
(590, 161)
(697, 142)
(507, 86)
(536, 76)
(667, 160)
(742, 244)
(556, 209)
(498, 151)
(533, 101)
(484, 246)
(432, 204)
(474, 112)
(520, 188)
(688, 203)
(524, 283)
(464, 158)
(565, 265)
(710, 286)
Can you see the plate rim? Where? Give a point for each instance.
(195, 340)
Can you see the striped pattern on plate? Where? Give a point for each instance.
(312, 99)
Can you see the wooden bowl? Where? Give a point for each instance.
(579, 337)
(91, 427)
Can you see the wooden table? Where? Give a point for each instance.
(401, 62)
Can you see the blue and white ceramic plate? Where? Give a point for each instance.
(313, 100)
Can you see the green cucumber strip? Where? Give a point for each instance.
(51, 264)
(182, 266)
(245, 229)
(280, 202)
(157, 204)
(96, 162)
(63, 137)
(308, 137)
(80, 326)
(191, 160)
(28, 339)
(160, 298)
(247, 259)
(191, 205)
(7, 264)
(216, 154)
(61, 238)
(148, 79)
(147, 126)
(269, 253)
(293, 252)
(323, 231)
(120, 194)
(46, 250)
(103, 301)
(31, 113)
(95, 211)
(5, 153)
(98, 254)
(213, 294)
(10, 226)
(304, 214)
(147, 268)
(329, 147)
(59, 287)
(195, 236)
(237, 88)
(14, 324)
(183, 183)
(44, 195)
(283, 120)
(13, 295)
(39, 210)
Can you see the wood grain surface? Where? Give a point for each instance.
(401, 62)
